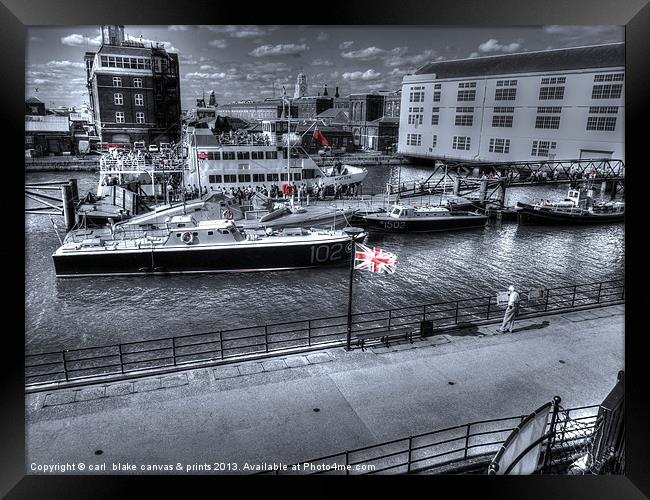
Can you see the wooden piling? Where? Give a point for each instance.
(456, 186)
(483, 190)
(68, 206)
(75, 190)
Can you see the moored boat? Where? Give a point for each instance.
(577, 208)
(185, 245)
(402, 218)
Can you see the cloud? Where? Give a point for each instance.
(370, 74)
(279, 50)
(473, 55)
(76, 39)
(321, 62)
(400, 59)
(242, 31)
(219, 44)
(206, 67)
(322, 36)
(493, 45)
(147, 42)
(65, 64)
(581, 31)
(181, 27)
(364, 54)
(345, 45)
(396, 72)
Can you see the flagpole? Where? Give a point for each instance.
(348, 346)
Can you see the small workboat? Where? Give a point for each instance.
(577, 208)
(185, 245)
(416, 219)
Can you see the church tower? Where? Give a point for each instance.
(301, 86)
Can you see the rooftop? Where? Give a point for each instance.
(593, 56)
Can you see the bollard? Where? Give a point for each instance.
(456, 186)
(75, 189)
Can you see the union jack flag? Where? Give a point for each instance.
(374, 259)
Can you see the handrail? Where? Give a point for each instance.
(327, 331)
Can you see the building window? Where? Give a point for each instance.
(139, 100)
(214, 179)
(244, 177)
(461, 142)
(214, 155)
(137, 83)
(413, 139)
(119, 117)
(500, 146)
(228, 155)
(466, 95)
(435, 117)
(243, 155)
(547, 122)
(437, 86)
(229, 178)
(502, 120)
(552, 80)
(547, 93)
(434, 142)
(258, 177)
(416, 116)
(271, 155)
(611, 77)
(464, 120)
(603, 109)
(117, 81)
(416, 94)
(542, 148)
(506, 83)
(601, 123)
(272, 177)
(508, 94)
(118, 99)
(607, 91)
(467, 85)
(139, 117)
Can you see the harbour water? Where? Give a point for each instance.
(83, 312)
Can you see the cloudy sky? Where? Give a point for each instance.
(244, 62)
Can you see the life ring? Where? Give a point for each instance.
(187, 238)
(227, 214)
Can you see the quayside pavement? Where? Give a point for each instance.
(291, 409)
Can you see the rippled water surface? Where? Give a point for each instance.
(67, 313)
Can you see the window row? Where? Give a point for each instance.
(125, 62)
(601, 123)
(547, 93)
(604, 109)
(467, 85)
(461, 142)
(238, 155)
(464, 120)
(117, 82)
(506, 83)
(119, 117)
(553, 80)
(466, 95)
(549, 109)
(233, 178)
(542, 148)
(118, 99)
(548, 122)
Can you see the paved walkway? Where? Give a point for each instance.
(305, 406)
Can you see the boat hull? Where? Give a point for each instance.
(424, 225)
(529, 215)
(203, 259)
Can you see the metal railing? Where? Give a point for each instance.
(441, 448)
(224, 345)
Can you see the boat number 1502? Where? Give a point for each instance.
(326, 253)
(393, 224)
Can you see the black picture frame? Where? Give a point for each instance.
(16, 15)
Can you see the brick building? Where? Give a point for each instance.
(134, 90)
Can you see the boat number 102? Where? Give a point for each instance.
(327, 253)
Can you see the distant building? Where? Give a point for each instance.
(134, 90)
(333, 116)
(555, 104)
(301, 86)
(46, 134)
(258, 110)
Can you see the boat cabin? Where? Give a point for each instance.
(184, 229)
(399, 211)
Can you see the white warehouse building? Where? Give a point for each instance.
(556, 104)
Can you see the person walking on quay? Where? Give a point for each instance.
(511, 311)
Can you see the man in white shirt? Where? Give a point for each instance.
(511, 311)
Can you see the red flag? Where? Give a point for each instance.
(319, 136)
(374, 259)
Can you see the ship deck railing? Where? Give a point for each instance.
(127, 164)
